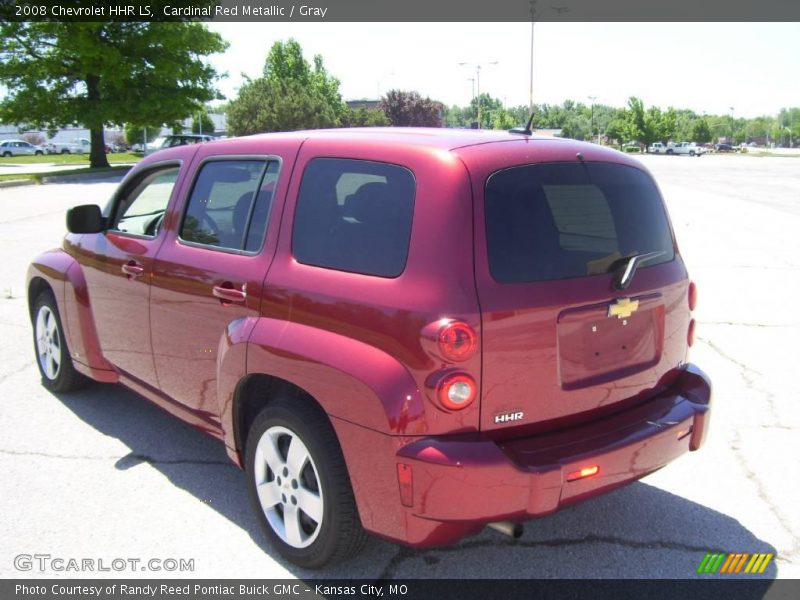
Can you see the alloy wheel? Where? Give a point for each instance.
(288, 487)
(48, 342)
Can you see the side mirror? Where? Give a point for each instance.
(87, 218)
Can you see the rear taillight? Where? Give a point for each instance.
(457, 391)
(457, 341)
(690, 333)
(692, 296)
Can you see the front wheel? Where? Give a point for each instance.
(52, 355)
(299, 484)
(38, 153)
(670, 152)
(65, 151)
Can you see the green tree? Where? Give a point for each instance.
(291, 94)
(456, 116)
(202, 123)
(135, 134)
(502, 119)
(488, 106)
(60, 73)
(409, 109)
(366, 117)
(264, 106)
(701, 133)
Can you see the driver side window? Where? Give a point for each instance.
(141, 208)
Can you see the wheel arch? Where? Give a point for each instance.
(253, 393)
(346, 378)
(63, 276)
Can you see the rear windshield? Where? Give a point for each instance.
(564, 220)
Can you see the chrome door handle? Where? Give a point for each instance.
(132, 269)
(227, 293)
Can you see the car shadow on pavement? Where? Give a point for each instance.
(639, 531)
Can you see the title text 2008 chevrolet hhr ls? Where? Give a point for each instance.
(412, 333)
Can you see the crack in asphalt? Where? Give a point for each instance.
(17, 371)
(749, 376)
(405, 554)
(133, 459)
(746, 324)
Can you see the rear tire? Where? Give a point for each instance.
(299, 485)
(6, 154)
(65, 151)
(52, 355)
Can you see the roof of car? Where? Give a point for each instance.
(443, 138)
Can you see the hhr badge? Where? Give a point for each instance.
(623, 308)
(509, 416)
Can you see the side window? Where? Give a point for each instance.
(354, 215)
(230, 203)
(141, 208)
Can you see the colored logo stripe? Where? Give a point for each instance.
(733, 563)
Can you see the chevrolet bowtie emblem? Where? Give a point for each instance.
(623, 308)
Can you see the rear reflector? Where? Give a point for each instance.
(457, 391)
(584, 472)
(692, 296)
(405, 477)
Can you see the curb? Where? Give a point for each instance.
(90, 176)
(16, 183)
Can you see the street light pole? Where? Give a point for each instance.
(731, 125)
(478, 68)
(593, 98)
(533, 21)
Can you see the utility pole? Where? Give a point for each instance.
(533, 21)
(592, 98)
(477, 68)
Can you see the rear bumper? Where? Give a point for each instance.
(462, 483)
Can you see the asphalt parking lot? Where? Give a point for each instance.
(103, 474)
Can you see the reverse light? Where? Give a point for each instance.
(692, 295)
(457, 341)
(405, 479)
(584, 472)
(457, 391)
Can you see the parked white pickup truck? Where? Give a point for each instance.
(76, 146)
(688, 148)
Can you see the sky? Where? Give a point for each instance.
(752, 68)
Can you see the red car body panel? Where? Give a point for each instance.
(362, 347)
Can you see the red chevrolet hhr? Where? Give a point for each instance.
(414, 333)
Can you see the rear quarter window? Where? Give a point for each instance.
(566, 220)
(354, 215)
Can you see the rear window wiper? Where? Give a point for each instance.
(625, 275)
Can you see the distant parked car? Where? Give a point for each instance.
(76, 146)
(185, 139)
(19, 148)
(723, 148)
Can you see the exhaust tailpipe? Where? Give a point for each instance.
(513, 530)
